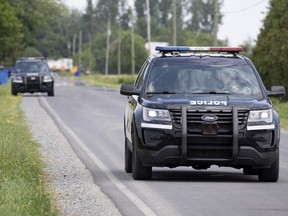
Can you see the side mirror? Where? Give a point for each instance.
(129, 90)
(277, 91)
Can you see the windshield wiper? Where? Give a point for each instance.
(163, 92)
(187, 92)
(213, 92)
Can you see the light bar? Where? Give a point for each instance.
(32, 58)
(167, 49)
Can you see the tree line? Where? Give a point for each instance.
(49, 28)
(270, 54)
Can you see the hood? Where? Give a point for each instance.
(205, 101)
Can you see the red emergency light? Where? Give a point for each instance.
(170, 49)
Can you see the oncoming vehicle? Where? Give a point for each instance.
(31, 75)
(198, 107)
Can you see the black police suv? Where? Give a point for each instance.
(201, 106)
(32, 75)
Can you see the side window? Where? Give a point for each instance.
(141, 76)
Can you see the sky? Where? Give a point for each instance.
(241, 22)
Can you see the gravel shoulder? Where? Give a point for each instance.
(71, 183)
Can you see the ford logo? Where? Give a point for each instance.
(209, 118)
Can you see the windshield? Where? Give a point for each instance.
(31, 67)
(203, 77)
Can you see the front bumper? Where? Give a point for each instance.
(239, 146)
(32, 86)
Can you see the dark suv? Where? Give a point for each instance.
(32, 75)
(201, 106)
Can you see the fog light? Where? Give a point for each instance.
(263, 139)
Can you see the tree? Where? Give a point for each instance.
(140, 54)
(52, 38)
(106, 9)
(270, 54)
(41, 21)
(10, 34)
(88, 17)
(202, 15)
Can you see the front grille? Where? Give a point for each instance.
(32, 83)
(217, 145)
(194, 121)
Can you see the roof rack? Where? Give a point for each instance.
(185, 49)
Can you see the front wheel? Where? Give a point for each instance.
(139, 171)
(51, 92)
(270, 174)
(128, 158)
(14, 93)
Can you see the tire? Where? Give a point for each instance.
(270, 174)
(128, 158)
(51, 92)
(250, 171)
(14, 93)
(140, 172)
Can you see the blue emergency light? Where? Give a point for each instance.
(170, 49)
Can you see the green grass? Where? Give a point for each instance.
(23, 190)
(282, 110)
(112, 81)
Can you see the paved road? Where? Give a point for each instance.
(92, 120)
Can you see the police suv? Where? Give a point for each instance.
(32, 74)
(198, 107)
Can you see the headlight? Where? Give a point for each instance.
(17, 79)
(47, 78)
(155, 114)
(260, 116)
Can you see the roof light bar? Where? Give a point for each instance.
(168, 49)
(32, 58)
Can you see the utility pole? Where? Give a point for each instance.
(107, 47)
(174, 23)
(119, 49)
(80, 51)
(132, 46)
(69, 49)
(148, 25)
(216, 20)
(90, 54)
(74, 45)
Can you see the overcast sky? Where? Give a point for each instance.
(242, 19)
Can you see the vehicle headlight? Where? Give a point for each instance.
(47, 78)
(17, 79)
(260, 116)
(156, 114)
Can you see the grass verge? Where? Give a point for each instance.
(112, 81)
(22, 182)
(281, 108)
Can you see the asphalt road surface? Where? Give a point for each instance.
(92, 120)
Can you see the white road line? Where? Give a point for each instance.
(146, 210)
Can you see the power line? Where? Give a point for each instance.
(245, 9)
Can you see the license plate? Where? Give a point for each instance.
(209, 128)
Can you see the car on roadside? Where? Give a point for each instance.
(198, 107)
(32, 74)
